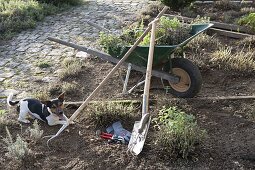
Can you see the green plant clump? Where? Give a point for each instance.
(169, 32)
(177, 4)
(178, 132)
(248, 20)
(17, 15)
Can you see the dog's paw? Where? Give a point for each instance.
(24, 121)
(71, 122)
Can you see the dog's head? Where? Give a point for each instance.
(56, 105)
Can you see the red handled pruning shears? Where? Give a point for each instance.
(112, 138)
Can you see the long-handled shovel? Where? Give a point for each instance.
(141, 127)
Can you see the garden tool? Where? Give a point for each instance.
(112, 138)
(141, 127)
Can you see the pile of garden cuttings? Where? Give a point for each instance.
(230, 124)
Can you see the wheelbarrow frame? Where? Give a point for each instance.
(109, 58)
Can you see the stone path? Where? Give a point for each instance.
(20, 56)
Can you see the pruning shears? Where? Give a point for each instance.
(111, 137)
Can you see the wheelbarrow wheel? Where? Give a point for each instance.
(190, 78)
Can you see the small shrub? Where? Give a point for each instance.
(43, 64)
(72, 68)
(248, 42)
(16, 150)
(41, 94)
(177, 4)
(70, 88)
(242, 61)
(248, 20)
(35, 132)
(112, 44)
(102, 114)
(247, 9)
(178, 132)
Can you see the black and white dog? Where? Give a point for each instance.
(48, 111)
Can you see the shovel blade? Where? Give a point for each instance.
(137, 139)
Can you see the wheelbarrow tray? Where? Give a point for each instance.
(162, 53)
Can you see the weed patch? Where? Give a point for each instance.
(248, 20)
(178, 132)
(41, 94)
(169, 32)
(103, 114)
(70, 88)
(43, 64)
(242, 61)
(35, 133)
(16, 150)
(248, 42)
(71, 68)
(2, 116)
(203, 41)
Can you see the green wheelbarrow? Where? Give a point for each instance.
(179, 75)
(190, 78)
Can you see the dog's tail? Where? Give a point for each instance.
(10, 102)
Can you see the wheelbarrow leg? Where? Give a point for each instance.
(138, 84)
(127, 78)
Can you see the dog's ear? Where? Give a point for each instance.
(48, 103)
(61, 97)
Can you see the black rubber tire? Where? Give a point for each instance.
(192, 72)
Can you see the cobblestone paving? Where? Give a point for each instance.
(20, 56)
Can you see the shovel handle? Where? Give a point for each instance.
(145, 107)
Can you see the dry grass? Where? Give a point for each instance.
(242, 61)
(42, 94)
(248, 42)
(203, 41)
(102, 114)
(227, 5)
(35, 133)
(2, 116)
(70, 88)
(71, 68)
